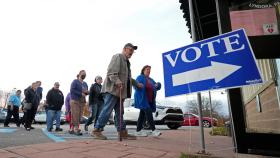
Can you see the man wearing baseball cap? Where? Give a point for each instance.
(118, 83)
(131, 46)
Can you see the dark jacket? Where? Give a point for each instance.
(31, 97)
(95, 95)
(55, 99)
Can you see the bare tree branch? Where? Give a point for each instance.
(192, 107)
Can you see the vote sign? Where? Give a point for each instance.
(224, 61)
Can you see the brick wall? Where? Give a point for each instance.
(268, 119)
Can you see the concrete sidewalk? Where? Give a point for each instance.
(170, 145)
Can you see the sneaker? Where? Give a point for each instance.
(58, 129)
(155, 133)
(32, 127)
(140, 134)
(6, 126)
(49, 130)
(86, 127)
(97, 134)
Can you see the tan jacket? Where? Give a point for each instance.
(117, 71)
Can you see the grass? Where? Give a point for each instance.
(183, 155)
(219, 131)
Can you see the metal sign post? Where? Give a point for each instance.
(198, 94)
(211, 115)
(227, 92)
(201, 123)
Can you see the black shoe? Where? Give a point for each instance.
(18, 125)
(6, 126)
(49, 130)
(71, 132)
(32, 127)
(86, 127)
(58, 129)
(78, 133)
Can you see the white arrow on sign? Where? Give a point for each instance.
(217, 71)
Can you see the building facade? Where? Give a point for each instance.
(255, 109)
(260, 18)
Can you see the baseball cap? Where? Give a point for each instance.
(129, 45)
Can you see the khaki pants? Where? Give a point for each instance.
(76, 112)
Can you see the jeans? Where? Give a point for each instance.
(145, 114)
(95, 111)
(51, 115)
(110, 102)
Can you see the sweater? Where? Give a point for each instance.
(76, 89)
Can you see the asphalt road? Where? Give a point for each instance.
(14, 136)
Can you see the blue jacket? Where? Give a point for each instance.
(76, 89)
(15, 100)
(140, 97)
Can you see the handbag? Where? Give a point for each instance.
(26, 106)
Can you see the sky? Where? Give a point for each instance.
(52, 40)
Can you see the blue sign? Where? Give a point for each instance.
(224, 61)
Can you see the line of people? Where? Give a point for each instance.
(102, 99)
